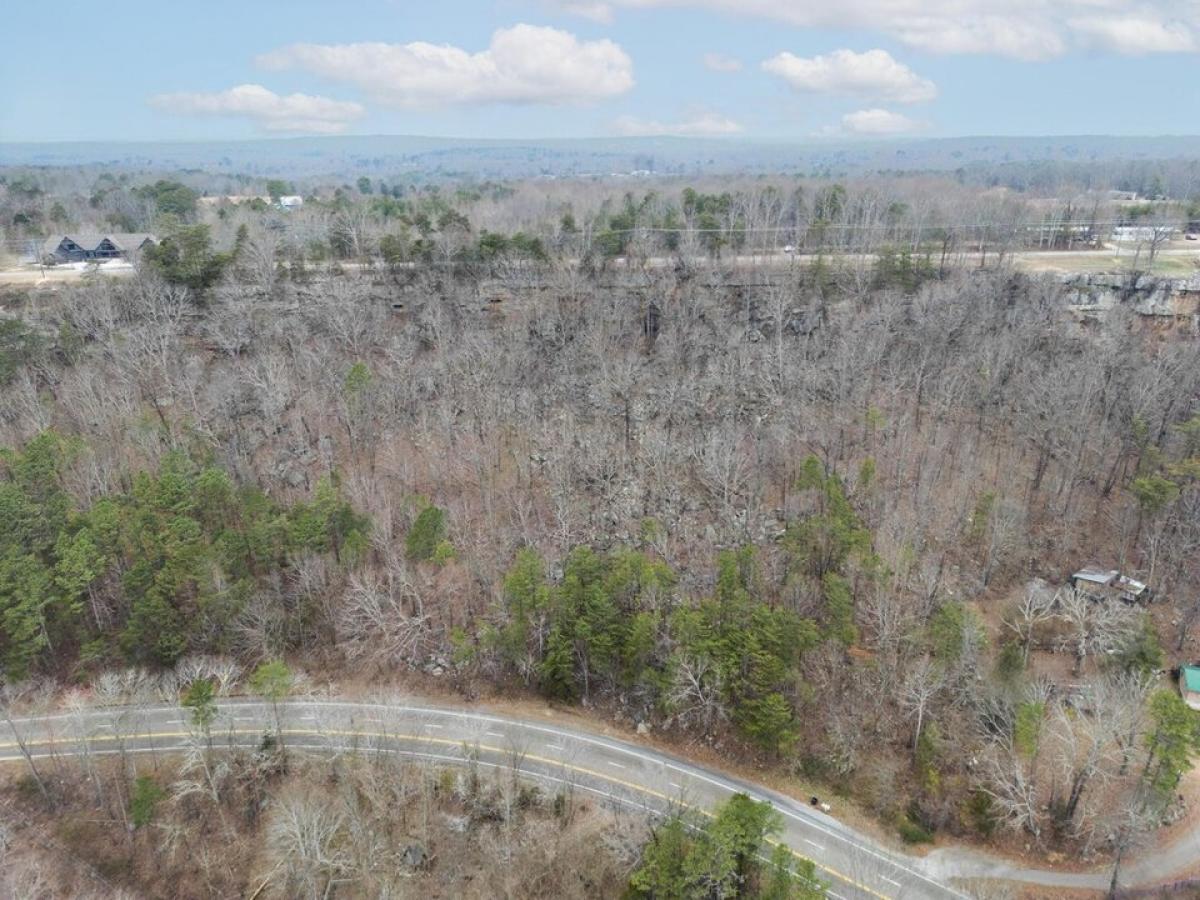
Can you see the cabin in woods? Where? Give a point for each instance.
(1106, 584)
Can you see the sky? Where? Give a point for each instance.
(758, 69)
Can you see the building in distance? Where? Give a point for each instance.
(287, 201)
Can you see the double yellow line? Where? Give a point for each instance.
(446, 742)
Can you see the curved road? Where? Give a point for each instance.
(854, 866)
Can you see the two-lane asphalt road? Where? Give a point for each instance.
(620, 772)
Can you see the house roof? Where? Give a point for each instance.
(1110, 578)
(1190, 676)
(1095, 575)
(85, 239)
(90, 240)
(130, 240)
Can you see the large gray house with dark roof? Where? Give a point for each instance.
(84, 245)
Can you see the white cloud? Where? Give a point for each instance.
(706, 124)
(874, 73)
(1134, 36)
(1029, 39)
(878, 122)
(596, 11)
(1022, 29)
(719, 62)
(523, 64)
(293, 112)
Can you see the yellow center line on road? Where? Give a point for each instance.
(426, 739)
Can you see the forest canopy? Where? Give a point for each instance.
(152, 572)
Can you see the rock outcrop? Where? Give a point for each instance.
(1146, 295)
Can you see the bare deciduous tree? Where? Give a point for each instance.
(304, 837)
(924, 682)
(1094, 626)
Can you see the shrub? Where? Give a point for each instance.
(983, 816)
(912, 833)
(146, 794)
(426, 534)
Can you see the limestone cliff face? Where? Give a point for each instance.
(1147, 295)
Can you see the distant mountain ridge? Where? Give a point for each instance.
(582, 157)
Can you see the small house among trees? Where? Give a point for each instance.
(1109, 584)
(1189, 685)
(83, 246)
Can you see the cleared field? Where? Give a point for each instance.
(1174, 264)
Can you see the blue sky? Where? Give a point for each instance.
(584, 68)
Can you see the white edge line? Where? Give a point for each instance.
(456, 760)
(693, 772)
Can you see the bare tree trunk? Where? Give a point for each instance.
(33, 769)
